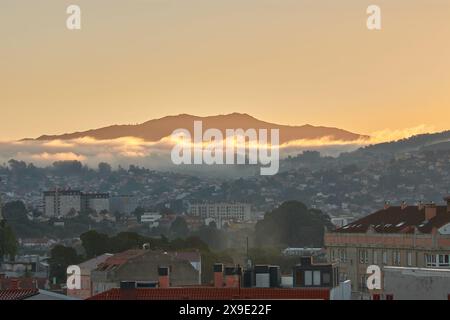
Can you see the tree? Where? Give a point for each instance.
(8, 242)
(104, 169)
(179, 228)
(94, 243)
(60, 258)
(292, 224)
(15, 211)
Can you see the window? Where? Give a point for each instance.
(409, 258)
(430, 260)
(396, 260)
(316, 278)
(326, 278)
(308, 278)
(363, 256)
(437, 260)
(342, 255)
(385, 257)
(363, 283)
(444, 260)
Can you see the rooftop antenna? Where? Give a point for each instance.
(249, 262)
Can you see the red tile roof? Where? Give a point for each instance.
(202, 293)
(121, 258)
(398, 220)
(17, 294)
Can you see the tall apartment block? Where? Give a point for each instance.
(60, 203)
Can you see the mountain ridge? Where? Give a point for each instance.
(156, 129)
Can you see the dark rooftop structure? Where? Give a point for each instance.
(402, 219)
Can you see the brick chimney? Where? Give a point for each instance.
(448, 203)
(127, 290)
(232, 277)
(218, 275)
(14, 284)
(164, 277)
(430, 211)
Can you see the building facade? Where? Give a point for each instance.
(60, 203)
(141, 267)
(400, 236)
(409, 283)
(222, 211)
(97, 202)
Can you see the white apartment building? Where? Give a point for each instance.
(96, 201)
(151, 218)
(61, 203)
(222, 211)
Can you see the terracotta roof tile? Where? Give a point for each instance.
(17, 294)
(202, 293)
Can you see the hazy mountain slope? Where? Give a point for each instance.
(156, 129)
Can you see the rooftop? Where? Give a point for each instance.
(399, 219)
(202, 293)
(17, 294)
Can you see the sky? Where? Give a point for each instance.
(284, 61)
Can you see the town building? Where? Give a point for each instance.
(233, 283)
(86, 268)
(222, 211)
(141, 268)
(151, 219)
(401, 236)
(24, 266)
(60, 203)
(98, 202)
(409, 283)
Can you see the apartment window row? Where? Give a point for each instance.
(363, 256)
(387, 257)
(437, 260)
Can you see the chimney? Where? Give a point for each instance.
(448, 203)
(128, 290)
(404, 205)
(218, 275)
(386, 205)
(164, 277)
(430, 211)
(232, 277)
(14, 284)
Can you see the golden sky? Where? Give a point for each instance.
(284, 61)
